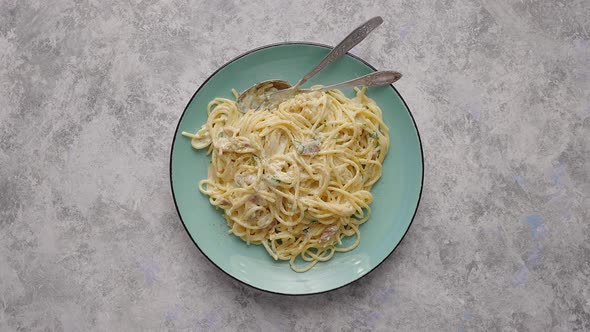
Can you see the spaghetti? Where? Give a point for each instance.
(295, 178)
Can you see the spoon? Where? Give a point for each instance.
(253, 97)
(378, 78)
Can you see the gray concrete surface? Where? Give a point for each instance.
(90, 94)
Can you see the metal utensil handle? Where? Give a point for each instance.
(345, 45)
(377, 78)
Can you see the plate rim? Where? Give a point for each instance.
(172, 153)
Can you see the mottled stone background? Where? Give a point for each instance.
(90, 94)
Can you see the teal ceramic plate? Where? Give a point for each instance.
(396, 195)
